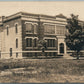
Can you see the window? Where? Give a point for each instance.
(60, 30)
(16, 43)
(35, 42)
(10, 52)
(16, 28)
(50, 42)
(49, 29)
(53, 42)
(7, 30)
(35, 28)
(29, 28)
(16, 54)
(29, 42)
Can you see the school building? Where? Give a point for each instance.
(20, 33)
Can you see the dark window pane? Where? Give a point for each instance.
(28, 42)
(16, 28)
(16, 54)
(16, 43)
(50, 42)
(7, 30)
(35, 42)
(10, 52)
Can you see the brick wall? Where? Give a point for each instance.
(9, 41)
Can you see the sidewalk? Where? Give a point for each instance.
(67, 56)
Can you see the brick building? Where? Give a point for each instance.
(20, 33)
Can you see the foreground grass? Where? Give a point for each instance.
(42, 70)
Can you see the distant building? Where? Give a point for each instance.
(20, 33)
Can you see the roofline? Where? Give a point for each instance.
(31, 14)
(25, 13)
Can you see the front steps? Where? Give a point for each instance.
(67, 56)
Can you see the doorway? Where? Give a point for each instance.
(61, 48)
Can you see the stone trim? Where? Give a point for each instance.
(50, 38)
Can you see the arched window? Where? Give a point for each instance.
(16, 28)
(16, 43)
(7, 30)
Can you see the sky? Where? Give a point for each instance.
(52, 8)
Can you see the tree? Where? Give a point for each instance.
(42, 45)
(74, 39)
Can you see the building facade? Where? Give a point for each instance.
(20, 33)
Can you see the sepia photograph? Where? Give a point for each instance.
(41, 42)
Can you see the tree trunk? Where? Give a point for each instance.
(43, 52)
(77, 55)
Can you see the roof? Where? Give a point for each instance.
(61, 16)
(19, 14)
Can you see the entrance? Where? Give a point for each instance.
(61, 48)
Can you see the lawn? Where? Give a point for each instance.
(41, 70)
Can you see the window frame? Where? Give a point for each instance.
(16, 55)
(16, 28)
(31, 27)
(51, 28)
(35, 31)
(29, 42)
(7, 30)
(61, 30)
(49, 41)
(35, 43)
(16, 42)
(11, 52)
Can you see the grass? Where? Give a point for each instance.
(42, 70)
